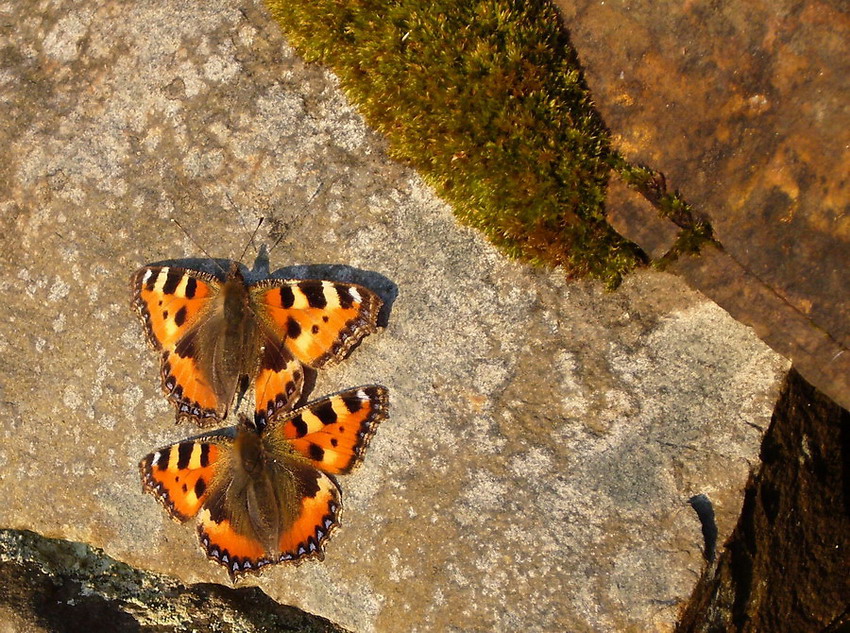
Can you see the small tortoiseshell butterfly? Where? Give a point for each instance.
(217, 336)
(267, 495)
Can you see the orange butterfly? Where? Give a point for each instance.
(217, 336)
(267, 495)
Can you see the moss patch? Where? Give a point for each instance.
(695, 231)
(486, 100)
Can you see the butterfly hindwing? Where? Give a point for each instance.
(314, 514)
(186, 386)
(181, 476)
(286, 515)
(279, 382)
(333, 432)
(319, 321)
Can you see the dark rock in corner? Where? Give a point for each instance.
(784, 569)
(52, 585)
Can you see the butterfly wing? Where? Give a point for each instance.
(279, 381)
(181, 476)
(319, 321)
(172, 304)
(311, 515)
(170, 301)
(268, 497)
(333, 432)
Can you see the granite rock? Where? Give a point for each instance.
(545, 436)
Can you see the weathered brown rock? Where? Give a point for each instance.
(785, 567)
(743, 108)
(633, 215)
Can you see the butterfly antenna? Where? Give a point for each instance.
(198, 246)
(251, 239)
(300, 211)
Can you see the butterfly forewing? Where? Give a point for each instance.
(319, 321)
(181, 476)
(333, 432)
(169, 301)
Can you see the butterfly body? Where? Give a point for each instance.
(229, 344)
(266, 495)
(216, 337)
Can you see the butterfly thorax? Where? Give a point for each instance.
(231, 339)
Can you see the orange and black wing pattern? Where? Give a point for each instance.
(172, 303)
(181, 476)
(333, 432)
(308, 514)
(313, 516)
(268, 496)
(319, 321)
(279, 381)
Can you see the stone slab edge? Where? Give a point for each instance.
(820, 358)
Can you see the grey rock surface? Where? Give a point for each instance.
(795, 511)
(544, 436)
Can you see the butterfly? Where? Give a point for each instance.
(267, 494)
(215, 336)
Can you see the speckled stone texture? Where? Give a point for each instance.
(544, 436)
(743, 107)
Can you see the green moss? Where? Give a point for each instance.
(486, 100)
(695, 231)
